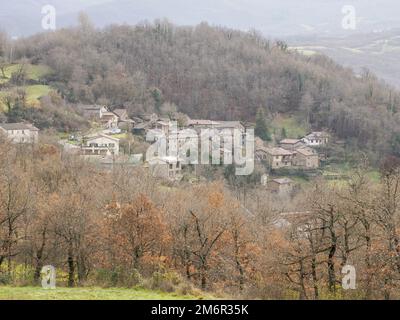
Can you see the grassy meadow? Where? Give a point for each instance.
(95, 293)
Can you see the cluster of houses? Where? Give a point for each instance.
(103, 144)
(145, 123)
(171, 167)
(297, 153)
(292, 153)
(113, 121)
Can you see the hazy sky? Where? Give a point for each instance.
(272, 17)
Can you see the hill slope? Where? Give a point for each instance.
(379, 52)
(217, 73)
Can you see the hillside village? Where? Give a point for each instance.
(101, 145)
(86, 186)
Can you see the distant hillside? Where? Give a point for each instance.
(378, 52)
(296, 21)
(272, 18)
(216, 73)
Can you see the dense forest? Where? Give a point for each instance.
(213, 72)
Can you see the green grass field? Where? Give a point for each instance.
(33, 72)
(293, 129)
(347, 171)
(33, 93)
(38, 293)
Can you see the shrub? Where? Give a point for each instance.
(5, 279)
(118, 277)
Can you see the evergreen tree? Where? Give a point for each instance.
(158, 100)
(283, 133)
(261, 129)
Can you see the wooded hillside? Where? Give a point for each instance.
(217, 73)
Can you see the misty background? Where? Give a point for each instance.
(310, 26)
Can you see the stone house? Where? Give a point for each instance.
(20, 132)
(291, 144)
(306, 158)
(124, 122)
(122, 114)
(166, 168)
(275, 157)
(109, 120)
(93, 112)
(281, 186)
